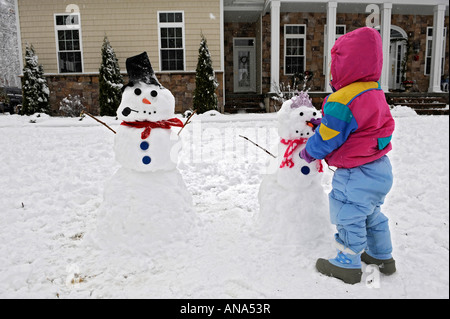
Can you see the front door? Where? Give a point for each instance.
(396, 56)
(397, 53)
(244, 62)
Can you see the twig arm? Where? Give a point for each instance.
(187, 122)
(90, 115)
(246, 138)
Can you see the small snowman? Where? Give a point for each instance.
(293, 204)
(146, 203)
(297, 120)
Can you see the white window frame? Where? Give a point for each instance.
(430, 40)
(294, 36)
(171, 25)
(325, 46)
(65, 28)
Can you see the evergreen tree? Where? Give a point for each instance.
(34, 85)
(110, 81)
(205, 97)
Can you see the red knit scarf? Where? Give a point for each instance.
(148, 126)
(292, 146)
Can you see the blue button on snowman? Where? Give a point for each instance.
(146, 159)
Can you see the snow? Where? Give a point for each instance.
(52, 178)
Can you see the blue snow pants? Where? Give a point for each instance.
(355, 202)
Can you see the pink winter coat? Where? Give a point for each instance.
(357, 124)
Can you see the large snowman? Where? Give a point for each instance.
(293, 204)
(146, 203)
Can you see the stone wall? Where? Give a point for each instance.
(86, 86)
(182, 86)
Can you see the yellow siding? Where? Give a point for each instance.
(131, 27)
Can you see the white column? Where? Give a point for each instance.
(331, 39)
(275, 45)
(436, 55)
(385, 30)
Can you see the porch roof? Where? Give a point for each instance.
(250, 10)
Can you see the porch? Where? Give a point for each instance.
(422, 103)
(412, 50)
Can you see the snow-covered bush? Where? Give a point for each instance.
(205, 97)
(72, 106)
(34, 85)
(110, 81)
(299, 83)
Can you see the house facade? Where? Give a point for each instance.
(256, 45)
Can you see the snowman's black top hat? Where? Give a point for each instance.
(140, 69)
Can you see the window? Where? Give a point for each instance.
(341, 29)
(171, 40)
(294, 48)
(68, 43)
(429, 51)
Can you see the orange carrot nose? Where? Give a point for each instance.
(145, 101)
(309, 124)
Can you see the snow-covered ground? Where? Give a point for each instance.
(52, 176)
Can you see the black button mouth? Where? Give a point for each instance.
(126, 111)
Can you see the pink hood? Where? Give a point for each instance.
(356, 57)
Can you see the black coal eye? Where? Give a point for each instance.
(314, 114)
(301, 113)
(154, 93)
(138, 92)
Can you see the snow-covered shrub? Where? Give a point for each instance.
(71, 106)
(110, 81)
(34, 85)
(299, 83)
(205, 97)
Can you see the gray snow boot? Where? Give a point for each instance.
(386, 266)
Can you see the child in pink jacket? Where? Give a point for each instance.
(355, 136)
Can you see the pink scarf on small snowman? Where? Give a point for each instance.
(288, 155)
(292, 145)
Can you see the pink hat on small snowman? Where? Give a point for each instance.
(301, 100)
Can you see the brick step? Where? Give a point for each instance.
(244, 103)
(243, 109)
(432, 112)
(424, 105)
(418, 99)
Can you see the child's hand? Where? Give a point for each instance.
(314, 123)
(306, 157)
